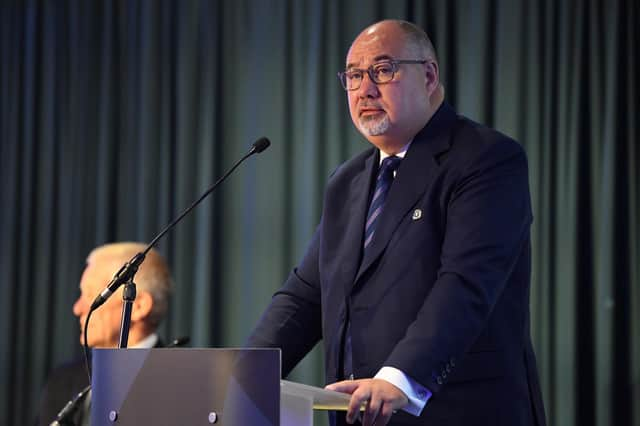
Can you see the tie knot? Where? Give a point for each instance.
(389, 165)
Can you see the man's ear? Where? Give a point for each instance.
(432, 74)
(141, 306)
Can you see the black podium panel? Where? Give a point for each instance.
(228, 387)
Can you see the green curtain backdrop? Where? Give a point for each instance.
(115, 115)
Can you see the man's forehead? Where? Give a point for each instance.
(108, 259)
(99, 270)
(373, 47)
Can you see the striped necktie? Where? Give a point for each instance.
(383, 183)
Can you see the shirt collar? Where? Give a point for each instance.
(146, 343)
(401, 154)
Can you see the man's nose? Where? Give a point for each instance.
(368, 89)
(79, 307)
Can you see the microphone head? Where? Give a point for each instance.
(261, 144)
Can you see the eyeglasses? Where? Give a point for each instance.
(380, 72)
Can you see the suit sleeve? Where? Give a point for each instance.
(292, 321)
(488, 216)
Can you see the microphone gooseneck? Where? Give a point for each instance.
(129, 269)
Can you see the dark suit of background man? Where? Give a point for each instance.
(153, 287)
(431, 317)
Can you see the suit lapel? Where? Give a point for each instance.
(415, 174)
(351, 248)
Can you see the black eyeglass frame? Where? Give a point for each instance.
(342, 75)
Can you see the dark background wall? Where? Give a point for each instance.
(115, 115)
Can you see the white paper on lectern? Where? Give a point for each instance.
(322, 399)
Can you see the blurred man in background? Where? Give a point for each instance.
(153, 285)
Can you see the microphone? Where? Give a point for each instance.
(129, 269)
(126, 273)
(64, 416)
(260, 145)
(179, 341)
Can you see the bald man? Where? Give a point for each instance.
(417, 277)
(153, 285)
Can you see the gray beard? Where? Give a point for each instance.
(373, 126)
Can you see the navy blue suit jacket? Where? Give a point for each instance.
(443, 291)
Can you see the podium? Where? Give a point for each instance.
(178, 386)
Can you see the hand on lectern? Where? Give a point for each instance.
(377, 398)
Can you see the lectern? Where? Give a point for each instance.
(177, 386)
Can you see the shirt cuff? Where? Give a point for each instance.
(417, 394)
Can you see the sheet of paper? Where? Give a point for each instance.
(323, 399)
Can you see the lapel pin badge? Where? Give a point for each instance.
(417, 214)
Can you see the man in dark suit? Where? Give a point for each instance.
(153, 286)
(417, 277)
